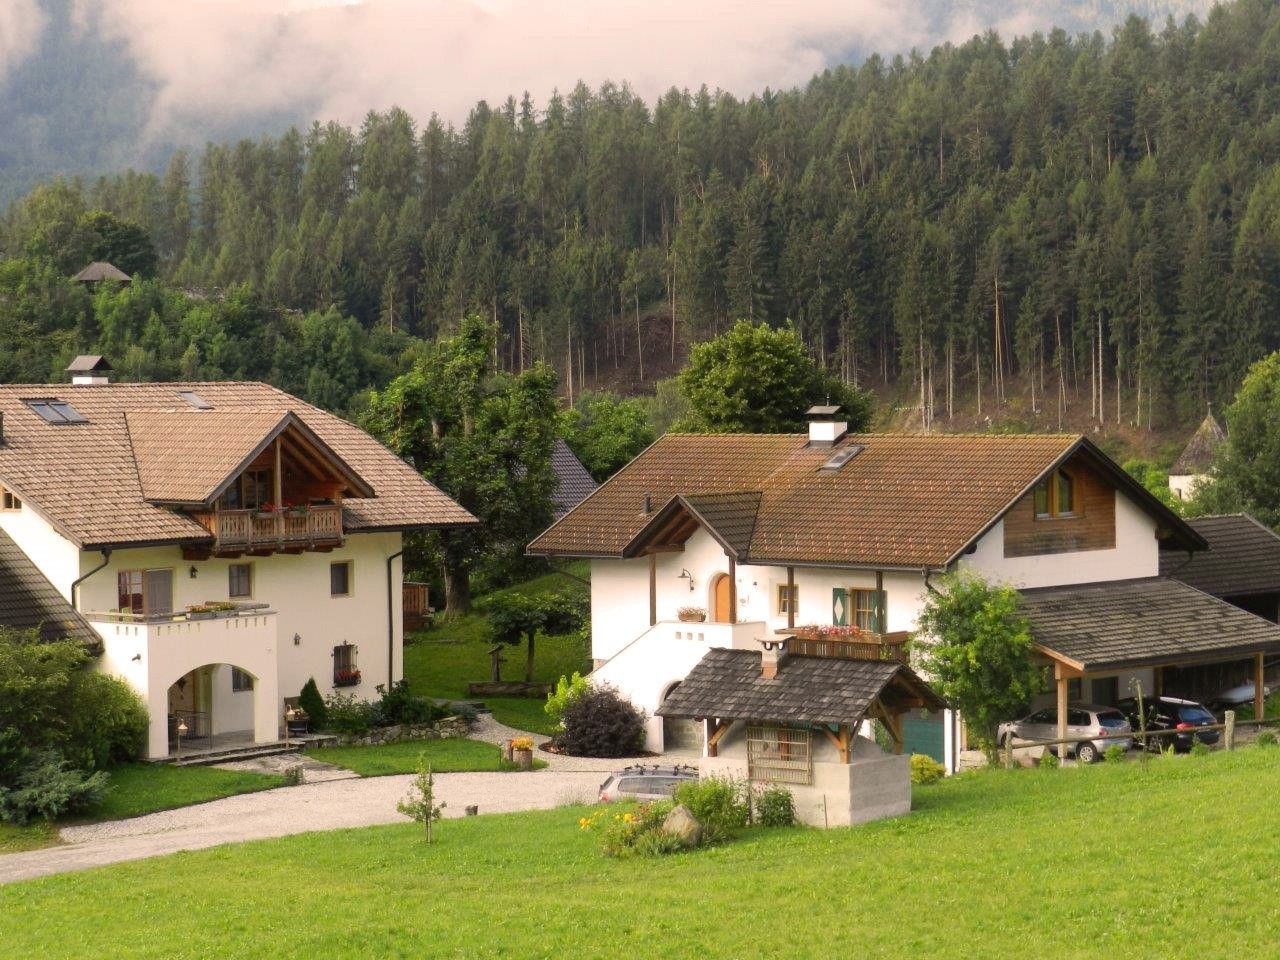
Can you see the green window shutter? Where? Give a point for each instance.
(882, 612)
(840, 606)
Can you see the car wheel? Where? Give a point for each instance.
(1087, 753)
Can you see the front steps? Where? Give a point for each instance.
(197, 757)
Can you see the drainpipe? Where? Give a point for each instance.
(391, 620)
(75, 585)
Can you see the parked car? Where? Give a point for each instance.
(1171, 713)
(645, 782)
(1235, 697)
(1108, 724)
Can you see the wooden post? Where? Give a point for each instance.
(879, 607)
(1229, 734)
(733, 590)
(653, 589)
(1259, 688)
(1008, 752)
(279, 493)
(791, 598)
(1062, 709)
(1157, 681)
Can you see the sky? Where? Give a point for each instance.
(213, 60)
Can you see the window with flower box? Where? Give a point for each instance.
(345, 671)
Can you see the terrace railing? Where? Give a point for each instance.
(864, 645)
(250, 530)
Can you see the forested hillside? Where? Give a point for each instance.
(1055, 219)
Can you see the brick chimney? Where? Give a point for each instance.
(773, 652)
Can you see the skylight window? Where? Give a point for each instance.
(56, 411)
(842, 456)
(194, 400)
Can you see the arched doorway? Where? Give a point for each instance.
(680, 735)
(721, 606)
(213, 706)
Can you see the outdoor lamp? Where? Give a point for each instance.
(193, 572)
(686, 575)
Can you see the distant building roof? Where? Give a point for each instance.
(575, 483)
(99, 271)
(1243, 558)
(728, 684)
(1128, 624)
(29, 601)
(1197, 455)
(88, 363)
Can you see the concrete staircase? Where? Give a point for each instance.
(230, 753)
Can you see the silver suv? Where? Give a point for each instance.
(645, 782)
(1108, 724)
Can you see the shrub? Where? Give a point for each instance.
(720, 804)
(1049, 759)
(398, 705)
(602, 723)
(567, 690)
(346, 714)
(1266, 738)
(925, 769)
(636, 831)
(775, 807)
(311, 701)
(1115, 754)
(108, 722)
(1200, 749)
(465, 711)
(47, 786)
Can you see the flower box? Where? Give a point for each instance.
(691, 614)
(346, 678)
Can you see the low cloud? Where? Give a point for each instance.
(21, 23)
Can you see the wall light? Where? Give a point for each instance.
(686, 575)
(193, 572)
(297, 640)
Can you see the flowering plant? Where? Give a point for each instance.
(823, 631)
(522, 743)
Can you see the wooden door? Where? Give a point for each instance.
(722, 608)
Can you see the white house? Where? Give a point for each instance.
(226, 541)
(1196, 460)
(768, 534)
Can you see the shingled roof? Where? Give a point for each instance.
(98, 271)
(904, 500)
(1125, 624)
(1197, 455)
(85, 477)
(574, 483)
(1243, 558)
(727, 684)
(29, 601)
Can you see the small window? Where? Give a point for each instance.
(241, 681)
(9, 500)
(1055, 496)
(788, 599)
(340, 579)
(194, 400)
(864, 609)
(1078, 718)
(345, 671)
(145, 592)
(240, 580)
(55, 411)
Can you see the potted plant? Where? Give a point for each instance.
(692, 614)
(295, 509)
(346, 678)
(522, 752)
(296, 720)
(265, 510)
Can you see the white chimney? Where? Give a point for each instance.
(773, 652)
(89, 370)
(825, 425)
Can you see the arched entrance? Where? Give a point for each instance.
(217, 706)
(721, 601)
(680, 735)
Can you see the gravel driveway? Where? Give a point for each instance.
(331, 805)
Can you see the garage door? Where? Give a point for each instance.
(924, 734)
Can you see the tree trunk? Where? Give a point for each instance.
(528, 663)
(457, 591)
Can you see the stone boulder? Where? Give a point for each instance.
(682, 824)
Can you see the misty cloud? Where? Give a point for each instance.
(21, 23)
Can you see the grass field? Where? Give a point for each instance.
(444, 659)
(15, 839)
(445, 756)
(1032, 863)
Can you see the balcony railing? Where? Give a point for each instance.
(864, 646)
(318, 525)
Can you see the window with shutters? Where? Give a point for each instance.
(864, 609)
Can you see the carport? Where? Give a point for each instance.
(1099, 629)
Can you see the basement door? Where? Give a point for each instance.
(924, 732)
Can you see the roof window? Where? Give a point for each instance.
(194, 400)
(52, 410)
(842, 456)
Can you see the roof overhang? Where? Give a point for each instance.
(671, 526)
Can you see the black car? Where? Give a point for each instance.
(1171, 713)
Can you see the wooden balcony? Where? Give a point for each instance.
(865, 645)
(317, 527)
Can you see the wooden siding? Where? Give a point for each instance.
(1093, 527)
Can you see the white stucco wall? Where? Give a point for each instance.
(1183, 485)
(1136, 554)
(55, 556)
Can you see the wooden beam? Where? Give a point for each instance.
(716, 729)
(1259, 687)
(895, 729)
(663, 548)
(733, 590)
(653, 589)
(791, 598)
(1062, 680)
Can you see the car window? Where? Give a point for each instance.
(1042, 716)
(1077, 718)
(1195, 714)
(632, 785)
(1111, 719)
(665, 785)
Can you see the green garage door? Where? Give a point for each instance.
(923, 733)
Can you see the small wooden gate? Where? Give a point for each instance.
(779, 755)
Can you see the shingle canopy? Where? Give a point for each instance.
(98, 271)
(84, 477)
(1243, 558)
(28, 600)
(1197, 455)
(1138, 623)
(574, 483)
(727, 684)
(907, 500)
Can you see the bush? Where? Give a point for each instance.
(108, 723)
(398, 705)
(47, 786)
(925, 769)
(1049, 760)
(775, 807)
(637, 831)
(602, 723)
(1115, 754)
(311, 701)
(720, 804)
(1266, 738)
(346, 714)
(567, 690)
(1200, 749)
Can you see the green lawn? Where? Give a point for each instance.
(444, 659)
(139, 788)
(1032, 863)
(15, 839)
(446, 756)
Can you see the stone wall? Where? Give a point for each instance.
(449, 727)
